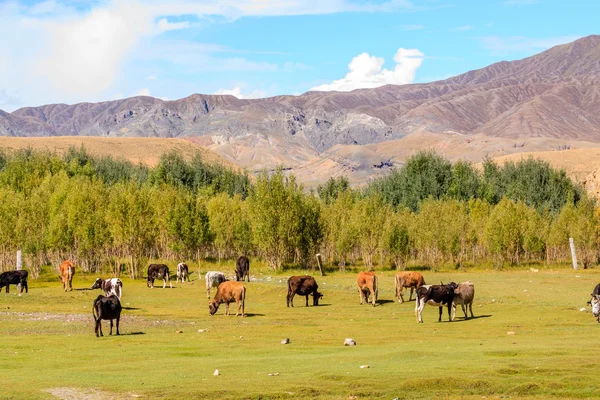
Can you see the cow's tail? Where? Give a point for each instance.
(94, 308)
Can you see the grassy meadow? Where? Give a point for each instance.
(48, 348)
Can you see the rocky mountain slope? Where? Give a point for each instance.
(542, 102)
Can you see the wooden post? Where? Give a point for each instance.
(19, 261)
(573, 255)
(319, 264)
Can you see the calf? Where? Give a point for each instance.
(595, 302)
(106, 308)
(182, 272)
(213, 279)
(408, 279)
(242, 269)
(109, 286)
(435, 295)
(67, 270)
(463, 295)
(18, 277)
(156, 271)
(228, 292)
(367, 285)
(303, 286)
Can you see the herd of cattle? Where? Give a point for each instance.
(108, 306)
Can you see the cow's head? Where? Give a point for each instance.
(213, 306)
(316, 297)
(97, 284)
(595, 305)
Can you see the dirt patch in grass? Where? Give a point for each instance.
(67, 393)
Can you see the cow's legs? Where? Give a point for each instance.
(411, 292)
(419, 309)
(226, 308)
(450, 316)
(306, 300)
(118, 318)
(373, 296)
(360, 294)
(471, 309)
(7, 286)
(440, 318)
(99, 326)
(164, 283)
(208, 293)
(111, 326)
(290, 299)
(453, 310)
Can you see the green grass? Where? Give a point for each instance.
(47, 342)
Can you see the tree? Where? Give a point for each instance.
(396, 237)
(369, 216)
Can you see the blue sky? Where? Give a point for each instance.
(71, 51)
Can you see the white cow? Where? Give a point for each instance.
(182, 272)
(109, 286)
(213, 279)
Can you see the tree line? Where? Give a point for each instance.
(112, 216)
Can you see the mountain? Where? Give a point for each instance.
(543, 102)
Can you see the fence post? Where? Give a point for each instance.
(19, 261)
(319, 264)
(573, 255)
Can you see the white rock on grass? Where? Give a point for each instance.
(216, 372)
(285, 341)
(349, 342)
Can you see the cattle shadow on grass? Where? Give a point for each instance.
(132, 333)
(252, 315)
(462, 318)
(382, 301)
(130, 308)
(80, 289)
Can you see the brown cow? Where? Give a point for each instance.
(303, 286)
(228, 292)
(367, 285)
(408, 279)
(67, 270)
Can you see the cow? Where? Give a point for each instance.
(595, 302)
(407, 279)
(435, 295)
(303, 286)
(18, 277)
(367, 285)
(106, 308)
(463, 295)
(213, 279)
(67, 270)
(242, 269)
(156, 271)
(228, 292)
(109, 286)
(182, 272)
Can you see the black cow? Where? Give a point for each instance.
(435, 295)
(156, 271)
(303, 286)
(14, 278)
(242, 269)
(106, 308)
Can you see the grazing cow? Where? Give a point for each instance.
(109, 286)
(18, 277)
(156, 271)
(242, 269)
(106, 308)
(182, 272)
(213, 279)
(595, 302)
(67, 270)
(463, 295)
(367, 285)
(228, 292)
(303, 286)
(435, 295)
(408, 279)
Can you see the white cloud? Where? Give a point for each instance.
(143, 92)
(237, 92)
(164, 25)
(510, 44)
(68, 51)
(366, 71)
